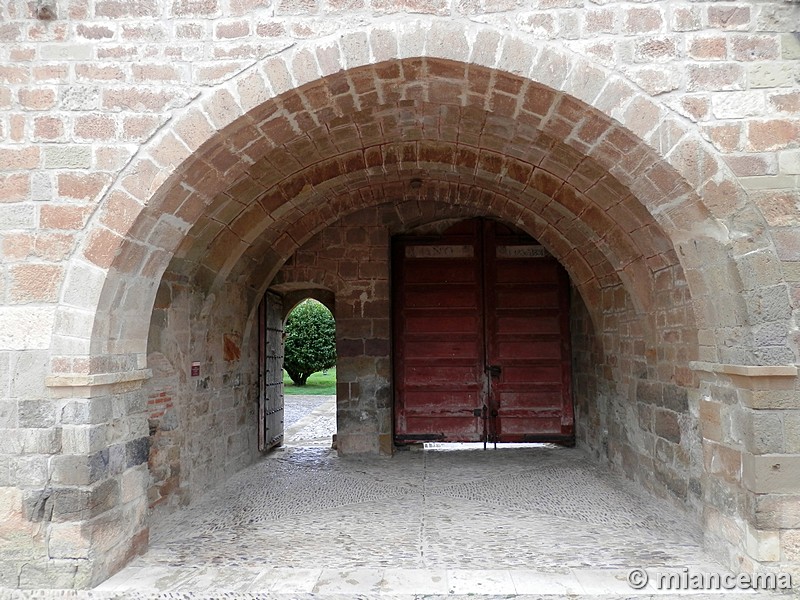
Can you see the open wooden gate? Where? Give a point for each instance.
(481, 338)
(270, 372)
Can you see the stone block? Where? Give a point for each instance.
(68, 157)
(66, 52)
(722, 533)
(386, 444)
(66, 540)
(715, 77)
(771, 74)
(649, 392)
(667, 425)
(676, 483)
(17, 216)
(790, 542)
(768, 182)
(770, 334)
(758, 269)
(791, 431)
(789, 162)
(30, 470)
(55, 573)
(80, 469)
(775, 511)
(8, 572)
(722, 461)
(675, 398)
(83, 289)
(6, 471)
(790, 46)
(31, 441)
(83, 439)
(133, 484)
(86, 411)
(237, 444)
(762, 545)
(353, 444)
(25, 328)
(710, 420)
(137, 451)
(727, 498)
(736, 105)
(664, 451)
(37, 504)
(108, 530)
(8, 414)
(135, 402)
(762, 431)
(10, 441)
(75, 504)
(355, 49)
(117, 459)
(769, 303)
(12, 508)
(771, 473)
(36, 413)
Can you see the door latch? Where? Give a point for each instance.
(494, 370)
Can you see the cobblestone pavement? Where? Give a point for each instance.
(301, 405)
(453, 521)
(310, 421)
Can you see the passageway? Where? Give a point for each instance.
(450, 519)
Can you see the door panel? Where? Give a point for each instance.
(439, 380)
(438, 324)
(481, 339)
(530, 394)
(437, 296)
(270, 381)
(531, 323)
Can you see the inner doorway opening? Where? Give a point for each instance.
(481, 338)
(297, 371)
(309, 375)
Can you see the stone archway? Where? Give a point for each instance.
(656, 234)
(640, 143)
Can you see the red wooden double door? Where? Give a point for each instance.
(481, 338)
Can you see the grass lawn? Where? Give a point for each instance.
(317, 384)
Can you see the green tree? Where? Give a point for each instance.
(310, 344)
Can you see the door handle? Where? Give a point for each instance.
(494, 370)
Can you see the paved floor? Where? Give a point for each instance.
(296, 407)
(443, 521)
(310, 421)
(448, 522)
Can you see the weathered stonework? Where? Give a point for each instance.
(163, 164)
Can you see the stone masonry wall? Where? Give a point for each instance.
(351, 259)
(202, 428)
(635, 397)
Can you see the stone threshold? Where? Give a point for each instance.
(394, 583)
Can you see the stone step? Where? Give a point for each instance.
(221, 595)
(397, 584)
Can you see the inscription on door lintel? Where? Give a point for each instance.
(522, 252)
(450, 251)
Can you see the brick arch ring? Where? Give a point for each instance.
(120, 262)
